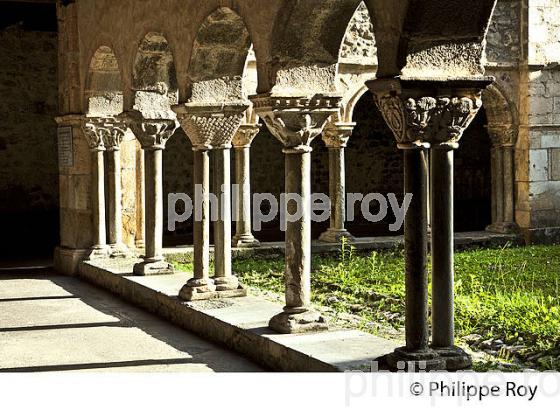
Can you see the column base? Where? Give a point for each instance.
(245, 241)
(229, 287)
(414, 361)
(118, 251)
(307, 321)
(198, 289)
(152, 268)
(99, 252)
(503, 227)
(67, 261)
(455, 357)
(335, 236)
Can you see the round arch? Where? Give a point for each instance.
(104, 91)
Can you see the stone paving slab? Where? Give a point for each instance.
(92, 330)
(241, 324)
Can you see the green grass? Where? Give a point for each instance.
(500, 293)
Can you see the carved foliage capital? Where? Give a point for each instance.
(152, 134)
(210, 127)
(418, 116)
(502, 135)
(295, 122)
(96, 130)
(245, 135)
(336, 135)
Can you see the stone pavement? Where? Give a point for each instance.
(58, 323)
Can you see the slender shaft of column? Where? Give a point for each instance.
(499, 186)
(202, 215)
(508, 185)
(495, 177)
(115, 197)
(243, 234)
(416, 242)
(443, 324)
(222, 253)
(337, 186)
(153, 204)
(298, 233)
(140, 195)
(98, 200)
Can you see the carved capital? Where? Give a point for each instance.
(245, 135)
(116, 130)
(421, 112)
(152, 134)
(502, 135)
(337, 134)
(294, 121)
(210, 126)
(95, 130)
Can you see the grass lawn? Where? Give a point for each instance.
(510, 294)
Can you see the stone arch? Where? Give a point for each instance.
(223, 64)
(154, 77)
(502, 116)
(104, 91)
(357, 60)
(305, 46)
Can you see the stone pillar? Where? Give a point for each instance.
(94, 130)
(424, 113)
(112, 140)
(336, 137)
(140, 195)
(296, 122)
(456, 108)
(242, 143)
(223, 276)
(211, 127)
(153, 134)
(503, 205)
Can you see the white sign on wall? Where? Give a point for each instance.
(65, 147)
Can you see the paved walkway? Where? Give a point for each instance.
(58, 323)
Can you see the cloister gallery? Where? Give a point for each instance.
(450, 101)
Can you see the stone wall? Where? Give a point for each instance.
(28, 152)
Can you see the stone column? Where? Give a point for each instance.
(296, 122)
(242, 143)
(336, 137)
(456, 108)
(503, 212)
(211, 127)
(153, 134)
(94, 130)
(112, 140)
(424, 113)
(140, 195)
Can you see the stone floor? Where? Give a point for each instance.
(57, 323)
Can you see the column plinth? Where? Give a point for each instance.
(212, 128)
(296, 122)
(152, 134)
(336, 137)
(242, 145)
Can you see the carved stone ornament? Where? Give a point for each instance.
(337, 134)
(153, 134)
(295, 121)
(423, 112)
(95, 130)
(210, 126)
(502, 135)
(245, 135)
(116, 130)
